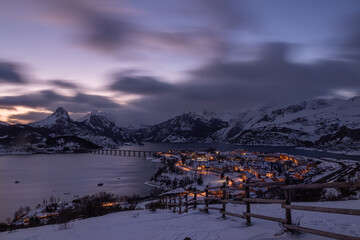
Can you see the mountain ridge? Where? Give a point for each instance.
(328, 124)
(70, 135)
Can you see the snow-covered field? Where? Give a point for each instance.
(164, 224)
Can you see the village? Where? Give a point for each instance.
(236, 167)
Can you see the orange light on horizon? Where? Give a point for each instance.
(5, 114)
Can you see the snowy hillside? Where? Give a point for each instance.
(300, 124)
(328, 124)
(108, 116)
(120, 122)
(188, 127)
(4, 123)
(164, 224)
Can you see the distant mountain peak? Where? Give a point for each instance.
(108, 116)
(60, 111)
(60, 116)
(4, 123)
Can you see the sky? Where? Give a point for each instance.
(145, 61)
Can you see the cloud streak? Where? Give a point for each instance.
(119, 34)
(142, 85)
(11, 73)
(64, 84)
(236, 86)
(50, 100)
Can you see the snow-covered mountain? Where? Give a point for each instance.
(301, 124)
(111, 117)
(119, 121)
(59, 132)
(59, 118)
(4, 123)
(188, 127)
(329, 124)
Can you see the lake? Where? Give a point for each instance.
(67, 175)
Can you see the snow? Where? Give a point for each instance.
(164, 224)
(4, 123)
(308, 121)
(59, 115)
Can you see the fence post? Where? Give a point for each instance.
(174, 207)
(195, 203)
(179, 204)
(186, 202)
(247, 195)
(206, 200)
(288, 200)
(224, 198)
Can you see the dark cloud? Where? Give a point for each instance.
(38, 99)
(350, 45)
(50, 100)
(143, 85)
(11, 72)
(95, 101)
(7, 107)
(103, 30)
(239, 85)
(64, 84)
(228, 14)
(29, 117)
(97, 28)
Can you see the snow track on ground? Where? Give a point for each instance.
(164, 224)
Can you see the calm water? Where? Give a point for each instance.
(66, 175)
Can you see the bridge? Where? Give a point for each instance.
(125, 152)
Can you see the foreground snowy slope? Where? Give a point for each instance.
(164, 224)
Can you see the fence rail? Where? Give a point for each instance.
(190, 198)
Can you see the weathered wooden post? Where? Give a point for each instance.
(206, 198)
(174, 206)
(247, 195)
(224, 203)
(195, 203)
(186, 202)
(288, 201)
(179, 204)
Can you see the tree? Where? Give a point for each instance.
(174, 183)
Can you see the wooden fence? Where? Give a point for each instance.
(220, 195)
